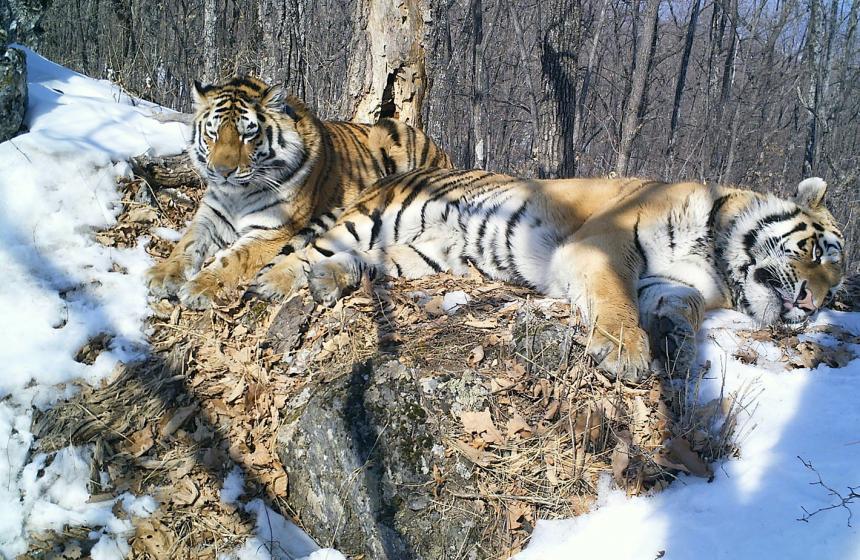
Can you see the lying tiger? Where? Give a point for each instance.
(271, 167)
(642, 260)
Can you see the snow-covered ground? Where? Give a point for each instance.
(60, 288)
(751, 509)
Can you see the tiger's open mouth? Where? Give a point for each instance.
(788, 299)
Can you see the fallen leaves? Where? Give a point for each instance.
(481, 424)
(812, 354)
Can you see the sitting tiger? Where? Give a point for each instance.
(642, 260)
(271, 167)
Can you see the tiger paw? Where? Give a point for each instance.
(278, 280)
(673, 342)
(166, 278)
(627, 361)
(330, 280)
(199, 292)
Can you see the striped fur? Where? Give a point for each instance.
(642, 260)
(271, 167)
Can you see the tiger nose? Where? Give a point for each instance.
(224, 170)
(805, 301)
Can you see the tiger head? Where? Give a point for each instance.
(787, 255)
(244, 133)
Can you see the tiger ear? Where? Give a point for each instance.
(273, 98)
(198, 92)
(810, 193)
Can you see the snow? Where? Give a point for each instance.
(278, 539)
(752, 507)
(453, 301)
(61, 288)
(234, 486)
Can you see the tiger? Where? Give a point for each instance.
(641, 260)
(271, 168)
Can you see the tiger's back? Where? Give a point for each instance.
(642, 260)
(361, 154)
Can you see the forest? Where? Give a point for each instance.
(759, 93)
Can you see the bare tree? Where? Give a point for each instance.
(210, 48)
(639, 77)
(680, 84)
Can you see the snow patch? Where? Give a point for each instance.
(61, 288)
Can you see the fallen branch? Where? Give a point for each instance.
(162, 172)
(843, 501)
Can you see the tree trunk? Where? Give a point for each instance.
(387, 78)
(477, 147)
(630, 122)
(559, 47)
(210, 46)
(579, 117)
(813, 91)
(679, 85)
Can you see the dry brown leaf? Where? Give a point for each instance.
(481, 423)
(475, 356)
(499, 384)
(610, 410)
(810, 355)
(259, 457)
(621, 456)
(434, 307)
(72, 551)
(515, 512)
(760, 336)
(177, 420)
(141, 214)
(480, 458)
(141, 441)
(590, 420)
(517, 425)
(153, 538)
(184, 493)
(680, 449)
(551, 472)
(236, 391)
(746, 355)
(551, 410)
(488, 323)
(666, 461)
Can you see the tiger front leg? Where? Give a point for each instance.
(167, 277)
(231, 267)
(332, 278)
(601, 284)
(672, 313)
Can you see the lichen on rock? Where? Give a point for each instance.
(13, 91)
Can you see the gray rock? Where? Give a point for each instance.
(360, 456)
(542, 340)
(13, 92)
(22, 20)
